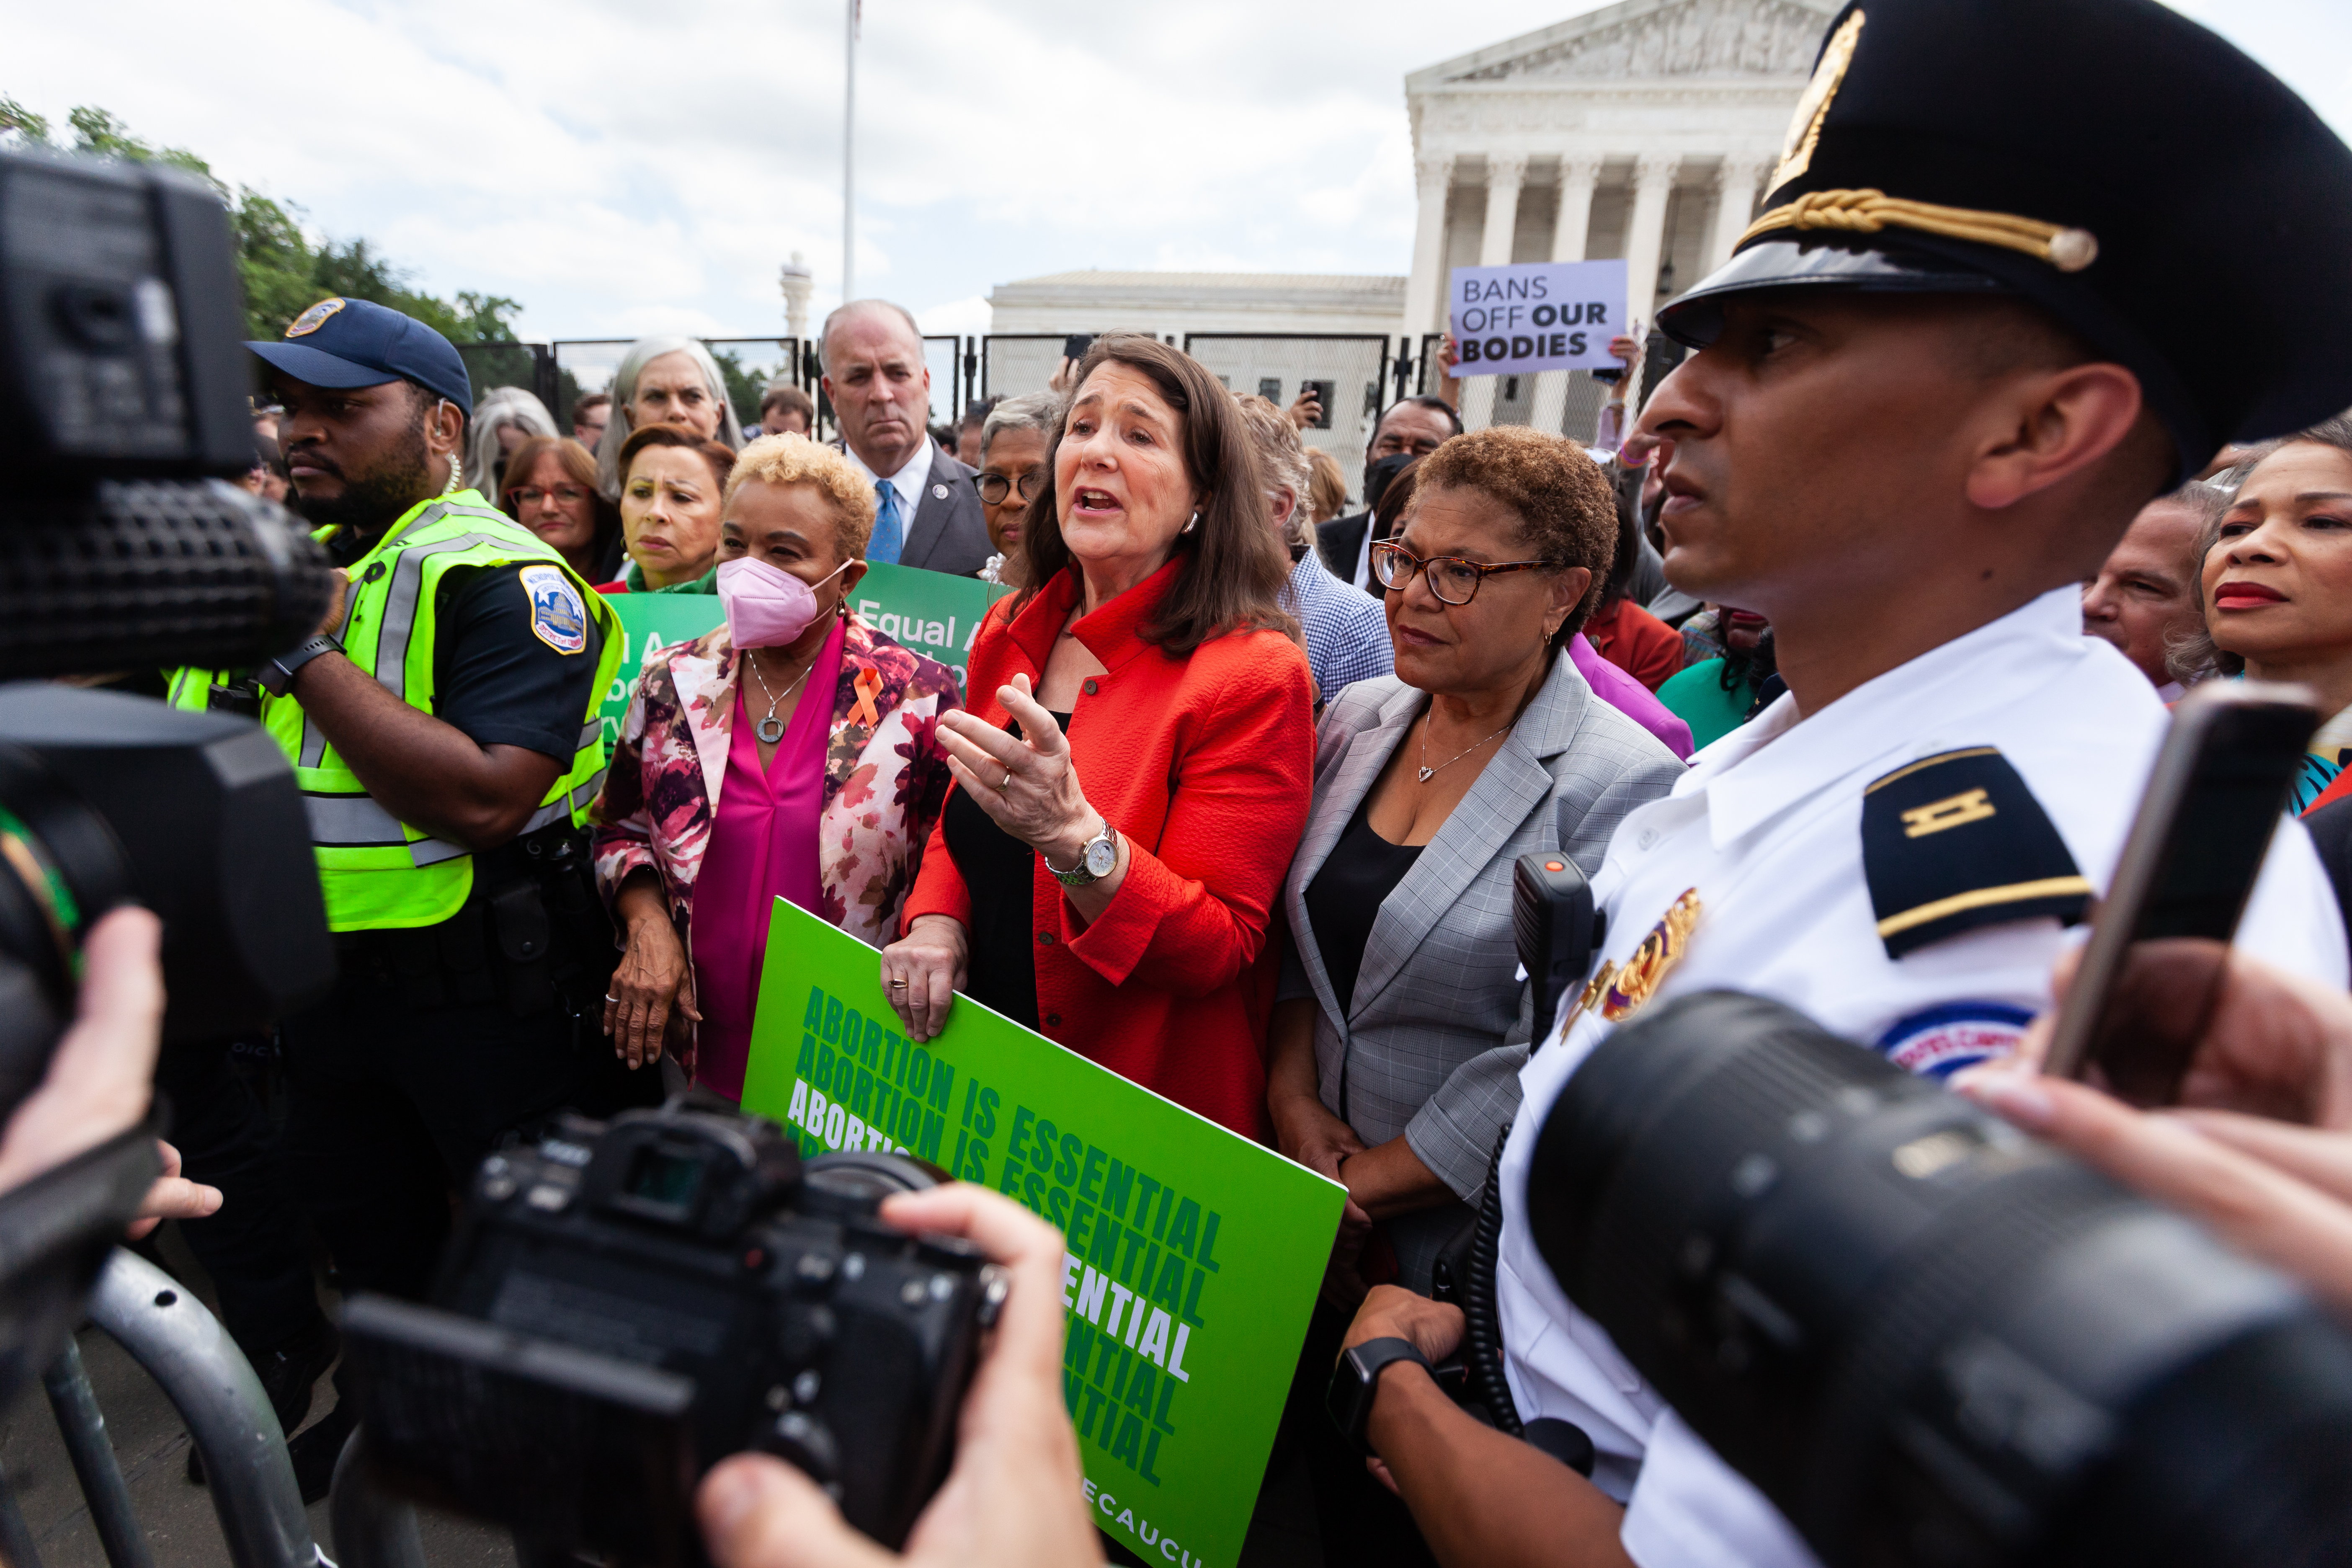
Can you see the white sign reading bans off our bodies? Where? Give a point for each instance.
(1537, 315)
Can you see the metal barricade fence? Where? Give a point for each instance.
(1014, 364)
(1349, 371)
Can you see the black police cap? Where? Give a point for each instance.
(2120, 167)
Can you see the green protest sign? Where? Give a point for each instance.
(1193, 1254)
(933, 614)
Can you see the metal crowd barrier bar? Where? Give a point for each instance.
(372, 1530)
(83, 1427)
(207, 1379)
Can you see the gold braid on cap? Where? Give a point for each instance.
(1867, 212)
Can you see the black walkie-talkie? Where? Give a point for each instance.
(1555, 926)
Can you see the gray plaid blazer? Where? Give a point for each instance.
(1431, 1044)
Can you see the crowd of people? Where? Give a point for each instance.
(1230, 794)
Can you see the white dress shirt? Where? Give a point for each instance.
(908, 482)
(1767, 828)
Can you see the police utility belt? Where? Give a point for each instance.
(530, 937)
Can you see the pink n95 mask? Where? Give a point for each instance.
(766, 605)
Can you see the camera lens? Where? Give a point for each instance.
(1925, 1337)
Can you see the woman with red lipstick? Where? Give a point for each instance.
(2278, 583)
(1134, 769)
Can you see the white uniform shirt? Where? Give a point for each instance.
(1767, 827)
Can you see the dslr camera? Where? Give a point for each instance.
(629, 1302)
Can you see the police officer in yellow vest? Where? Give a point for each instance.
(443, 726)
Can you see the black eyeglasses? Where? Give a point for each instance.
(1453, 579)
(994, 487)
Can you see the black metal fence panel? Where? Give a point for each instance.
(1348, 372)
(1014, 364)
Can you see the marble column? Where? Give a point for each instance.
(1505, 173)
(1425, 290)
(1734, 184)
(1645, 238)
(1579, 172)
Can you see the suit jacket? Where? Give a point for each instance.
(949, 531)
(1340, 540)
(1432, 1044)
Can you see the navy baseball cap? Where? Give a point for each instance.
(357, 343)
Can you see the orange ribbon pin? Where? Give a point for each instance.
(869, 686)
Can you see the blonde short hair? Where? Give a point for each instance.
(789, 459)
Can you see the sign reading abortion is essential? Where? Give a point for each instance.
(1537, 315)
(1193, 1254)
(936, 614)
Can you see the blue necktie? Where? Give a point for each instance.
(889, 531)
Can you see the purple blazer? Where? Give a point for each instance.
(1630, 697)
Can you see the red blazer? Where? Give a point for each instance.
(1636, 642)
(1207, 764)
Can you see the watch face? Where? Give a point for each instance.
(1101, 856)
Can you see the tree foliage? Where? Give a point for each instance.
(283, 272)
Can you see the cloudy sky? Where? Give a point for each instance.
(622, 167)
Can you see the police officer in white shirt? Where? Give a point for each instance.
(1939, 375)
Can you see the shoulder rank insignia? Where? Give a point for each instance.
(1956, 841)
(1617, 991)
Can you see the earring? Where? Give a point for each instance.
(1192, 526)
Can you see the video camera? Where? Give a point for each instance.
(122, 407)
(630, 1302)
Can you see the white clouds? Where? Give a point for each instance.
(622, 167)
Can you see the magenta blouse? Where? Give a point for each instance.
(762, 847)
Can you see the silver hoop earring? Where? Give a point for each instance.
(1191, 527)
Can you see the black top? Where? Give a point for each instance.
(998, 871)
(496, 674)
(1345, 896)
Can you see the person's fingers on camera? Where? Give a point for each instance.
(1029, 1330)
(2323, 1158)
(102, 1074)
(1380, 1472)
(2260, 1210)
(757, 1511)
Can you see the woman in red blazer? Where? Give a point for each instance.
(1137, 761)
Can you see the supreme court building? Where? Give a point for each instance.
(1642, 130)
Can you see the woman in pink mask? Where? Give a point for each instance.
(789, 754)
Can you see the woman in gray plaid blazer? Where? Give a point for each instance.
(1401, 1025)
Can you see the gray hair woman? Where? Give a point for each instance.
(1013, 442)
(664, 381)
(504, 418)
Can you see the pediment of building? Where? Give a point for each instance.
(1640, 39)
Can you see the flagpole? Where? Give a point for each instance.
(849, 161)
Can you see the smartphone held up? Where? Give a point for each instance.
(2152, 969)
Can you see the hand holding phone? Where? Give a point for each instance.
(2159, 943)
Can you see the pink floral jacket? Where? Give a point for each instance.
(885, 778)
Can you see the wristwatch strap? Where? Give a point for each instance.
(1079, 876)
(1355, 1384)
(279, 673)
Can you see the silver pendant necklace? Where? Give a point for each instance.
(770, 728)
(1427, 771)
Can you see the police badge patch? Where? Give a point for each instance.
(311, 319)
(557, 618)
(1939, 1041)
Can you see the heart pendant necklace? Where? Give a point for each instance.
(1427, 772)
(770, 728)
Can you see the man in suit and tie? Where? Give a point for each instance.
(1410, 428)
(927, 507)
